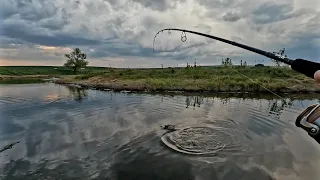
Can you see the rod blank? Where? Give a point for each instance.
(249, 48)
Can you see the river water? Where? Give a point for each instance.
(70, 133)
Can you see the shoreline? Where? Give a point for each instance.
(118, 87)
(136, 86)
(24, 79)
(180, 80)
(4, 77)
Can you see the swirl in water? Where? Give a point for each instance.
(197, 140)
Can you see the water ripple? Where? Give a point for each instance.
(86, 134)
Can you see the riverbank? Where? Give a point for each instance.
(36, 74)
(25, 79)
(42, 70)
(200, 79)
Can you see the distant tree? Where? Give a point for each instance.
(76, 60)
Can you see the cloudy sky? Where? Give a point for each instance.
(120, 33)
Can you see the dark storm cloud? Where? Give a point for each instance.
(305, 48)
(14, 31)
(10, 42)
(37, 22)
(114, 50)
(30, 10)
(110, 51)
(41, 22)
(116, 28)
(270, 12)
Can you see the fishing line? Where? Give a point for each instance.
(309, 119)
(260, 85)
(184, 39)
(278, 57)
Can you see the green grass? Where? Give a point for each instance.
(42, 70)
(21, 81)
(181, 79)
(215, 73)
(32, 74)
(202, 78)
(197, 73)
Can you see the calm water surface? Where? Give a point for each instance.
(69, 133)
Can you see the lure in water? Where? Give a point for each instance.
(169, 127)
(309, 119)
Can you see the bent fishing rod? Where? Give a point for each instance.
(309, 119)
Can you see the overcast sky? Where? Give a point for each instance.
(120, 33)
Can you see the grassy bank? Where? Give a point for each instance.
(42, 70)
(25, 79)
(21, 81)
(35, 74)
(200, 79)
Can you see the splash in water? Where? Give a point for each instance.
(197, 140)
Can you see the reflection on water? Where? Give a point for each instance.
(194, 101)
(71, 133)
(77, 93)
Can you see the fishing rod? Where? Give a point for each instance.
(309, 119)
